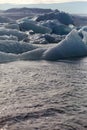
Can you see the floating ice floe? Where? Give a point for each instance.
(30, 25)
(8, 57)
(6, 20)
(11, 46)
(83, 33)
(20, 35)
(5, 37)
(44, 38)
(84, 36)
(56, 27)
(84, 28)
(63, 17)
(35, 54)
(12, 26)
(71, 46)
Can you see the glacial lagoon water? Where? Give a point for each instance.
(41, 95)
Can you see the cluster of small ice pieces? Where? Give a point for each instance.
(22, 39)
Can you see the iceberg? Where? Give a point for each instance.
(56, 27)
(12, 26)
(63, 17)
(84, 28)
(83, 35)
(44, 38)
(61, 29)
(71, 46)
(11, 46)
(29, 25)
(4, 19)
(20, 35)
(35, 54)
(53, 38)
(7, 57)
(36, 39)
(5, 37)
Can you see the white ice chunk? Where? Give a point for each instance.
(33, 55)
(29, 25)
(20, 35)
(71, 46)
(7, 57)
(15, 47)
(5, 37)
(12, 26)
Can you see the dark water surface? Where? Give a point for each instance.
(39, 95)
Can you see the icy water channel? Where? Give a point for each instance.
(40, 95)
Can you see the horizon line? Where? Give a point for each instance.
(43, 3)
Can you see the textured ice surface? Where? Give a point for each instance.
(62, 17)
(20, 35)
(12, 26)
(6, 20)
(71, 46)
(17, 37)
(6, 37)
(56, 27)
(35, 54)
(7, 57)
(44, 38)
(12, 51)
(84, 36)
(83, 28)
(30, 25)
(11, 46)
